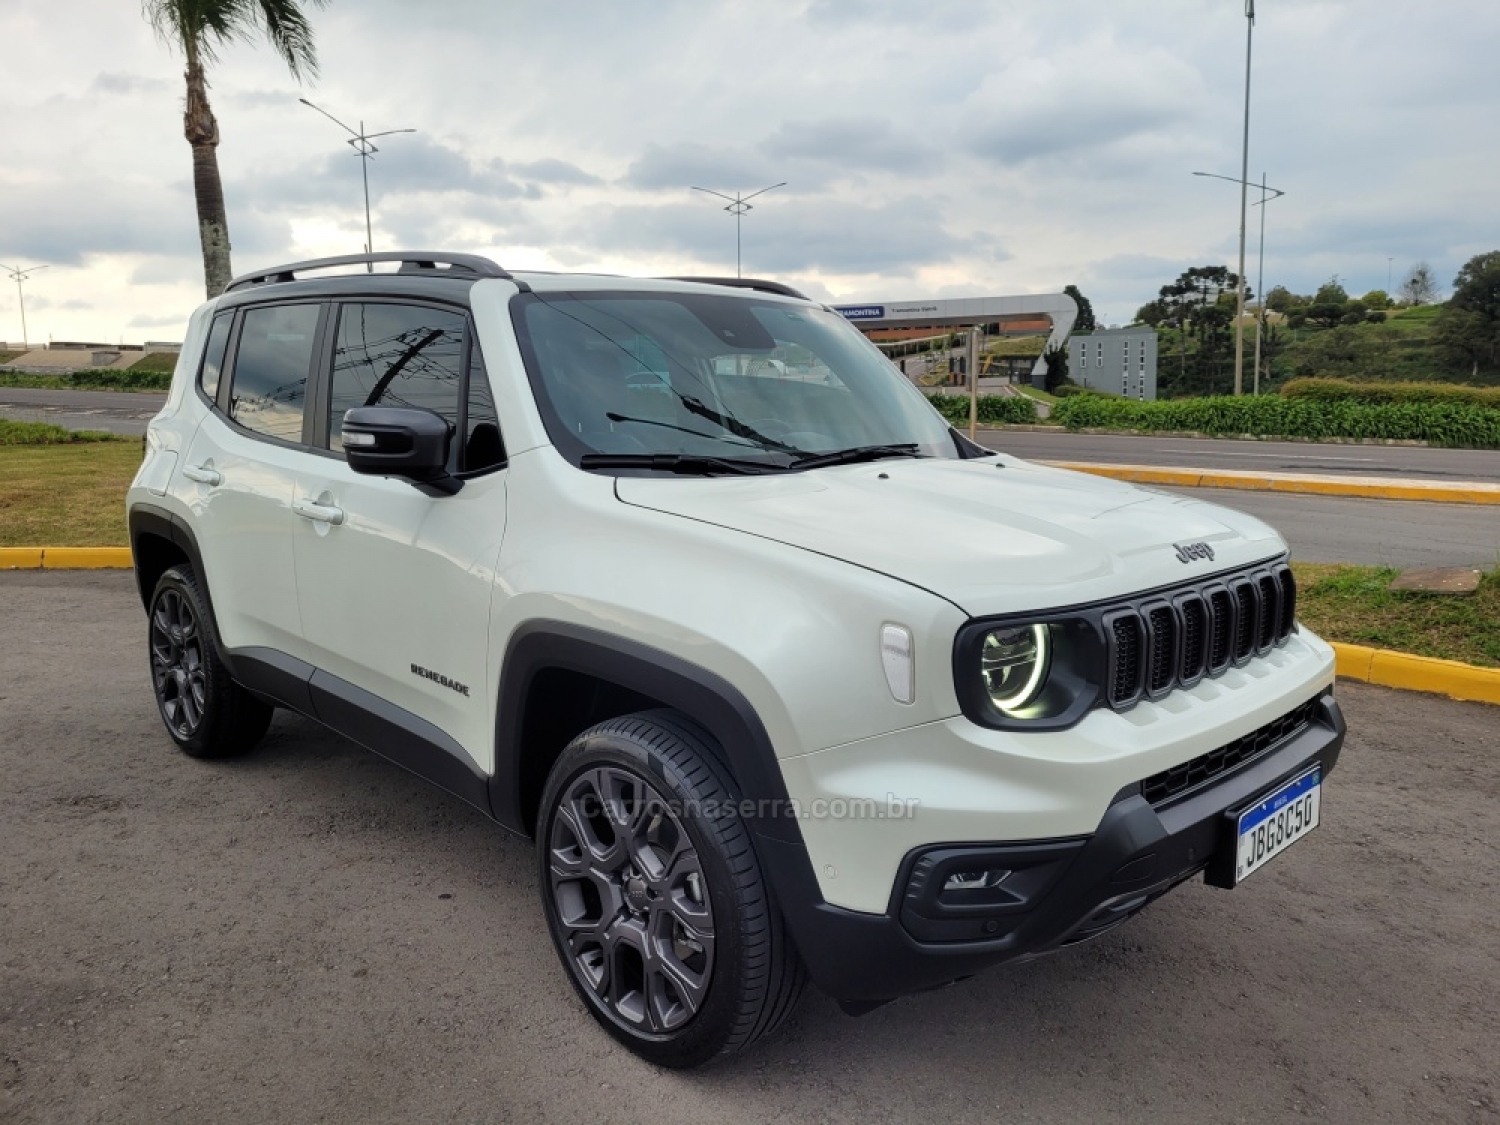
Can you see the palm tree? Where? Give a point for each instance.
(199, 27)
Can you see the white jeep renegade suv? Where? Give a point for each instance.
(683, 581)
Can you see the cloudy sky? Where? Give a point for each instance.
(940, 147)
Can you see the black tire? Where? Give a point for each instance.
(207, 714)
(625, 798)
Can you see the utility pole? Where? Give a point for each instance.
(738, 206)
(360, 142)
(971, 360)
(18, 275)
(1239, 314)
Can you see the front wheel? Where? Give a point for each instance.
(653, 895)
(207, 714)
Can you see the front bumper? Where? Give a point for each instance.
(1061, 891)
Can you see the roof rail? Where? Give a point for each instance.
(747, 283)
(412, 262)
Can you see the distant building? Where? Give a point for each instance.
(1121, 361)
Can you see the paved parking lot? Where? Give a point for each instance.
(309, 934)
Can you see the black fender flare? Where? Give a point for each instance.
(148, 519)
(706, 698)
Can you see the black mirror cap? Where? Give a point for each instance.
(400, 441)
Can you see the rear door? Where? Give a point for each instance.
(395, 585)
(240, 471)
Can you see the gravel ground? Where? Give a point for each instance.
(309, 934)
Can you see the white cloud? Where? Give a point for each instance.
(955, 146)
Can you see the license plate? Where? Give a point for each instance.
(1268, 828)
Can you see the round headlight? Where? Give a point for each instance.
(1013, 662)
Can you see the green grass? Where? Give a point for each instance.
(159, 362)
(6, 357)
(44, 433)
(1352, 604)
(66, 495)
(1032, 392)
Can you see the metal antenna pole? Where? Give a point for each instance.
(1239, 317)
(18, 275)
(360, 142)
(738, 205)
(1260, 284)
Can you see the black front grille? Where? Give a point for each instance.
(1173, 640)
(1221, 613)
(1194, 612)
(1246, 626)
(1126, 644)
(1161, 627)
(1181, 779)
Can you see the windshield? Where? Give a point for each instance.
(690, 376)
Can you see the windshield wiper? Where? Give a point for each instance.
(856, 454)
(676, 463)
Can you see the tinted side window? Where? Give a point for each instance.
(396, 355)
(483, 448)
(270, 369)
(213, 354)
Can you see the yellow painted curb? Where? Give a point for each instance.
(64, 558)
(1417, 673)
(20, 558)
(1370, 488)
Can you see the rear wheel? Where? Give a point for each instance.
(654, 897)
(207, 714)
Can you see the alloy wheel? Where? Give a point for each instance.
(177, 668)
(632, 900)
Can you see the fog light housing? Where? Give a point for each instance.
(975, 880)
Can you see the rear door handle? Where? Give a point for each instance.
(202, 474)
(322, 513)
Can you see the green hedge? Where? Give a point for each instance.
(1343, 390)
(44, 433)
(1447, 424)
(992, 409)
(100, 379)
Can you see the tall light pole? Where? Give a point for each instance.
(1239, 312)
(1388, 263)
(19, 275)
(360, 142)
(738, 205)
(1266, 195)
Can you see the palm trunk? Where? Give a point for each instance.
(202, 132)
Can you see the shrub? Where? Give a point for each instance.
(98, 379)
(992, 409)
(1448, 424)
(1343, 390)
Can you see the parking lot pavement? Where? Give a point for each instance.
(309, 934)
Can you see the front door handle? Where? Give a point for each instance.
(322, 513)
(202, 474)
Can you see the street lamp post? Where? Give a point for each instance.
(738, 205)
(1239, 313)
(360, 142)
(19, 275)
(1266, 195)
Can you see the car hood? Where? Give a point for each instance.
(992, 535)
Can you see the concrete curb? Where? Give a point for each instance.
(1417, 673)
(1370, 488)
(64, 558)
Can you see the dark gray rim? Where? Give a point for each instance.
(177, 664)
(632, 901)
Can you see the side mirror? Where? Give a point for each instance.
(399, 441)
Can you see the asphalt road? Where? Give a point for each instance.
(119, 412)
(309, 934)
(1414, 461)
(1399, 533)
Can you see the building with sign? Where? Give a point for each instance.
(1121, 361)
(1052, 313)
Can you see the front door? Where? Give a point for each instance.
(395, 585)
